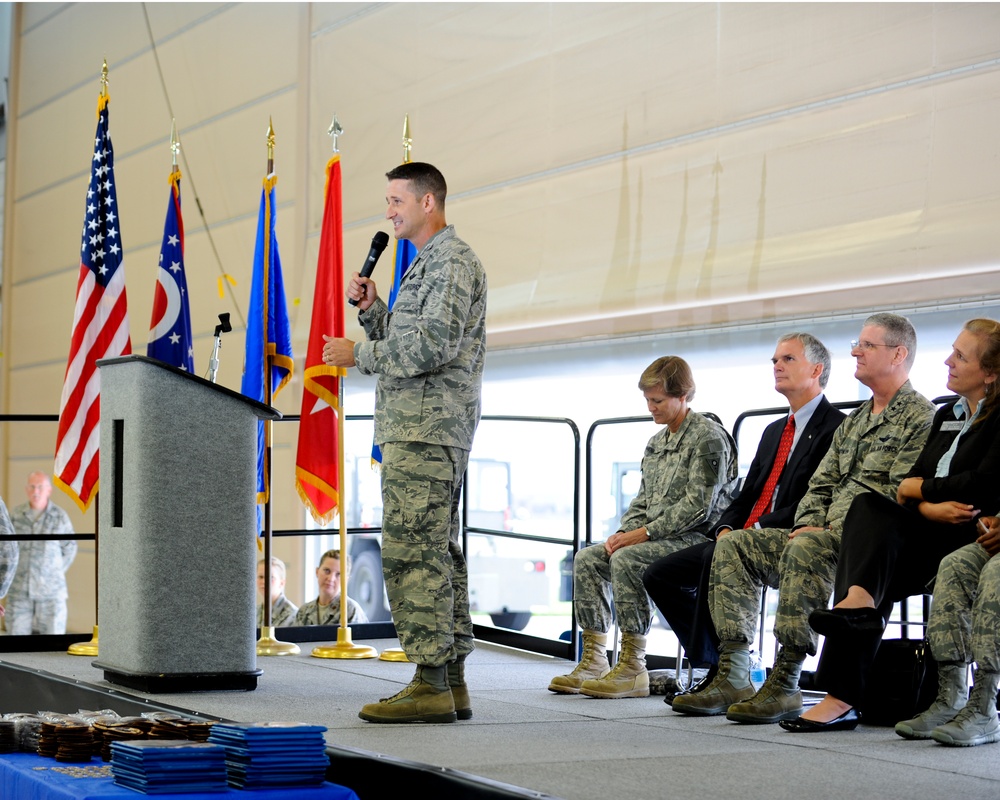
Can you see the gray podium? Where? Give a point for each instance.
(177, 548)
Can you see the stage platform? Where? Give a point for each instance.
(524, 741)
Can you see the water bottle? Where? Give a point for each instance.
(757, 672)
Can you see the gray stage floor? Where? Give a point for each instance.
(579, 748)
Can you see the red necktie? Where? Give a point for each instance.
(763, 504)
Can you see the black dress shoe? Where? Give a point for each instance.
(840, 621)
(847, 721)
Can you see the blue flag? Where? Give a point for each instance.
(269, 333)
(405, 253)
(170, 326)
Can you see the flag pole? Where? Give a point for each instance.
(344, 648)
(92, 647)
(397, 653)
(268, 644)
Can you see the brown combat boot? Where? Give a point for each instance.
(593, 664)
(779, 698)
(459, 689)
(427, 698)
(731, 684)
(629, 678)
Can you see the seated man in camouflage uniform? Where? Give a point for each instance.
(873, 449)
(964, 627)
(283, 610)
(8, 553)
(688, 477)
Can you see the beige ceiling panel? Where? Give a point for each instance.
(86, 34)
(231, 59)
(45, 231)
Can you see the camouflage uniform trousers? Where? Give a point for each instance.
(600, 579)
(965, 614)
(26, 616)
(744, 561)
(426, 576)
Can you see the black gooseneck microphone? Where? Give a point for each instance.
(379, 241)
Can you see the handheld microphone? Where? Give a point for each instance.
(379, 241)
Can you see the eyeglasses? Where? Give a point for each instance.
(857, 344)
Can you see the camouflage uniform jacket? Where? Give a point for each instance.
(878, 451)
(43, 565)
(283, 612)
(688, 480)
(312, 613)
(8, 551)
(428, 351)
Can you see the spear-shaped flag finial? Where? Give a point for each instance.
(335, 130)
(407, 141)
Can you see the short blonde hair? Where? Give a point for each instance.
(276, 564)
(671, 374)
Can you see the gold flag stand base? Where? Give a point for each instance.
(393, 654)
(84, 648)
(344, 648)
(267, 645)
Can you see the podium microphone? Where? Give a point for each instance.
(221, 328)
(379, 241)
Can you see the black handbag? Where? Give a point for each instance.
(902, 682)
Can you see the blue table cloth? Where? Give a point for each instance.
(24, 776)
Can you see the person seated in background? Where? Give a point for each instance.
(325, 609)
(8, 554)
(38, 594)
(891, 550)
(689, 472)
(283, 610)
(790, 450)
(877, 444)
(964, 626)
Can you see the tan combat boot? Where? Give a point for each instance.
(426, 699)
(593, 664)
(953, 692)
(629, 677)
(977, 722)
(779, 698)
(459, 689)
(731, 684)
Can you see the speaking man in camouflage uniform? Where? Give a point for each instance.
(8, 554)
(964, 626)
(872, 450)
(428, 355)
(689, 474)
(37, 600)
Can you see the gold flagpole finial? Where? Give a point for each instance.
(335, 130)
(407, 141)
(175, 143)
(104, 79)
(270, 145)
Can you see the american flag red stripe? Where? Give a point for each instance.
(100, 327)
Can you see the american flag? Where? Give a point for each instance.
(100, 325)
(170, 337)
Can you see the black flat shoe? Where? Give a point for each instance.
(694, 689)
(847, 721)
(840, 621)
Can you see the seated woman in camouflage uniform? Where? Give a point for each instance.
(689, 475)
(283, 610)
(325, 609)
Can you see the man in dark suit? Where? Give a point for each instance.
(786, 458)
